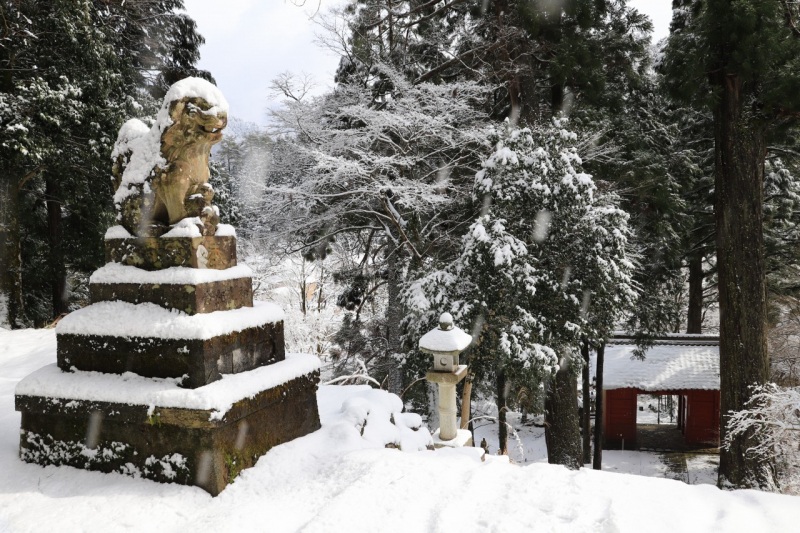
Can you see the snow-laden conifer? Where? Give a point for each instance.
(543, 266)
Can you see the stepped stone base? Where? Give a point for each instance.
(156, 253)
(189, 298)
(201, 361)
(185, 446)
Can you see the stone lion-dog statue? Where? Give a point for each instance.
(161, 173)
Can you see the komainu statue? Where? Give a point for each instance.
(161, 173)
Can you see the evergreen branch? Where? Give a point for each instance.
(787, 13)
(398, 224)
(456, 60)
(398, 15)
(307, 245)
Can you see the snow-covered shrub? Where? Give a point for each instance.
(379, 418)
(774, 413)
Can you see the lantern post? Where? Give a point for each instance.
(445, 343)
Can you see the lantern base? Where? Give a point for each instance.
(463, 439)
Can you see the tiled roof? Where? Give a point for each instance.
(665, 367)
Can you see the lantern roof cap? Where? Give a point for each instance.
(447, 338)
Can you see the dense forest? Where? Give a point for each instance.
(541, 170)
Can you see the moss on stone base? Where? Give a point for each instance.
(184, 446)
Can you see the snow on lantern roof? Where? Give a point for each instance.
(666, 366)
(446, 338)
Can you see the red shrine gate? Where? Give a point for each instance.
(698, 416)
(683, 365)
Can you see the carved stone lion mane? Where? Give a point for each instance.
(162, 173)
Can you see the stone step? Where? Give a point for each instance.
(118, 337)
(190, 290)
(152, 429)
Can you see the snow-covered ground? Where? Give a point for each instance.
(336, 480)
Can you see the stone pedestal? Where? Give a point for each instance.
(173, 373)
(462, 439)
(147, 436)
(448, 422)
(156, 253)
(150, 345)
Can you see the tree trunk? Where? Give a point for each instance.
(11, 258)
(694, 323)
(466, 402)
(587, 405)
(597, 463)
(740, 149)
(58, 269)
(394, 315)
(562, 430)
(502, 429)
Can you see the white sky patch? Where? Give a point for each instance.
(250, 42)
(659, 11)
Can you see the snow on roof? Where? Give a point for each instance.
(122, 319)
(132, 389)
(665, 367)
(117, 232)
(622, 337)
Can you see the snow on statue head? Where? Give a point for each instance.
(161, 173)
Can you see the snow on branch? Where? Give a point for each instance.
(774, 413)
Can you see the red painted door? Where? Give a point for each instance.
(620, 418)
(702, 417)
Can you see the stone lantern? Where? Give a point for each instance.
(445, 344)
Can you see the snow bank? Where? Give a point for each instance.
(377, 416)
(122, 319)
(117, 232)
(133, 389)
(336, 480)
(119, 273)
